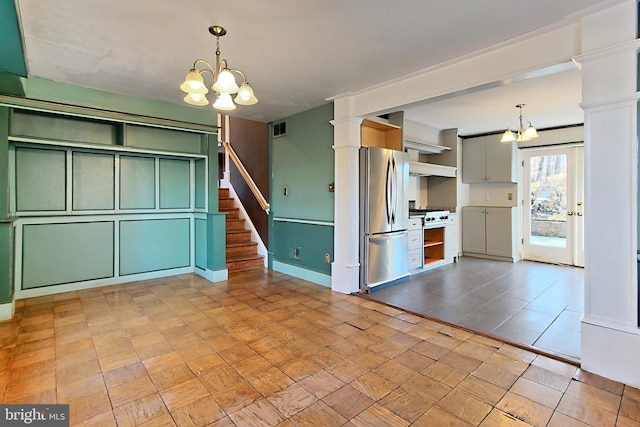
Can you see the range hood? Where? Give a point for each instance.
(417, 168)
(430, 169)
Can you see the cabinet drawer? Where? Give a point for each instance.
(415, 223)
(415, 239)
(415, 258)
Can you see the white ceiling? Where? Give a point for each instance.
(298, 53)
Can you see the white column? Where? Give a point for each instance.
(345, 269)
(610, 334)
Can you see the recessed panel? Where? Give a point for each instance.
(137, 182)
(55, 254)
(153, 245)
(93, 181)
(40, 180)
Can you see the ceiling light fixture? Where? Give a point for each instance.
(523, 134)
(224, 82)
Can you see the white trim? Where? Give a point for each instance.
(304, 221)
(302, 273)
(88, 284)
(28, 141)
(611, 102)
(7, 310)
(212, 276)
(607, 323)
(628, 46)
(262, 249)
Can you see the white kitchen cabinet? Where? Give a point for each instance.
(415, 243)
(451, 237)
(486, 159)
(490, 232)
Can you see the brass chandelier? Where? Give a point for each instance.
(224, 82)
(522, 133)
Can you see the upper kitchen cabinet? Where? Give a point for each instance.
(379, 134)
(486, 159)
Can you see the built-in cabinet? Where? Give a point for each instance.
(98, 202)
(486, 159)
(375, 133)
(490, 232)
(451, 237)
(415, 243)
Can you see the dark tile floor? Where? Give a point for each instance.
(535, 304)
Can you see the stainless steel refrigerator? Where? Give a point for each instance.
(384, 216)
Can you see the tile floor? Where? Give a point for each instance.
(266, 349)
(532, 303)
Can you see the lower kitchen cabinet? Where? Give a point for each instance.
(451, 237)
(490, 232)
(415, 243)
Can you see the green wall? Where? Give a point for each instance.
(302, 160)
(11, 52)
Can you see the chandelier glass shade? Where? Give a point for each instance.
(224, 81)
(522, 133)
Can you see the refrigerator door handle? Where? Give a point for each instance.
(387, 192)
(394, 191)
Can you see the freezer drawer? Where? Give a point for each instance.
(385, 258)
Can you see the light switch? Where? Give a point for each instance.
(509, 196)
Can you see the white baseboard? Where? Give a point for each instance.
(212, 276)
(7, 310)
(302, 273)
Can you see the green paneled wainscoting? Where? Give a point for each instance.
(94, 201)
(60, 254)
(301, 248)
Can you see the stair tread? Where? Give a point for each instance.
(239, 244)
(244, 257)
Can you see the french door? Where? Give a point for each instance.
(553, 213)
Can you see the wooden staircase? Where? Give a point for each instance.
(242, 252)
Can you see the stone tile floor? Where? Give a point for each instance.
(266, 349)
(532, 303)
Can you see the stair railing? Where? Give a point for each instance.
(245, 175)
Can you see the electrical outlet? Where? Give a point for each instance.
(327, 258)
(332, 187)
(296, 253)
(509, 196)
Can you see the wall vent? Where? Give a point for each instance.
(279, 129)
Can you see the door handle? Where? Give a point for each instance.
(570, 213)
(579, 213)
(579, 203)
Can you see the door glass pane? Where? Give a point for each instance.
(549, 201)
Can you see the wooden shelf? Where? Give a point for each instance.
(428, 260)
(378, 134)
(430, 243)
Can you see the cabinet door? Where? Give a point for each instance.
(473, 230)
(473, 160)
(499, 160)
(499, 235)
(451, 237)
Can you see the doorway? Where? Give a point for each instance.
(553, 217)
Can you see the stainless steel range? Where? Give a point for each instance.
(432, 235)
(431, 218)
